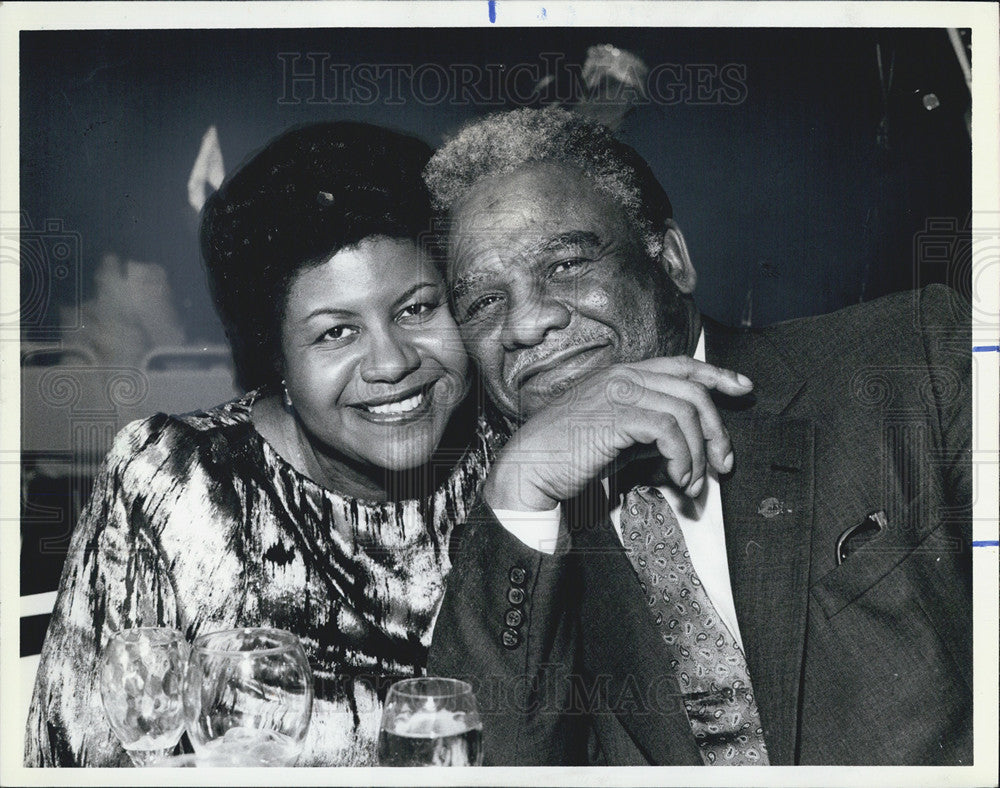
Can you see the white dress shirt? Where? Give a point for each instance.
(700, 520)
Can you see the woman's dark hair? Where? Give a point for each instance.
(311, 192)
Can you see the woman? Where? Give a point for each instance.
(323, 500)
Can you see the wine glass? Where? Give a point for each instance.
(142, 689)
(430, 722)
(248, 697)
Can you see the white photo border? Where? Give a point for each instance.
(982, 18)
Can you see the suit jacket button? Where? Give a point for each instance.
(513, 618)
(517, 575)
(510, 638)
(515, 596)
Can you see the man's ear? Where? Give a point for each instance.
(675, 259)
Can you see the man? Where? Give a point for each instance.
(791, 584)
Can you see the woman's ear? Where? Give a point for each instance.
(675, 259)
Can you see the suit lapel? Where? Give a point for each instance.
(777, 381)
(767, 504)
(620, 645)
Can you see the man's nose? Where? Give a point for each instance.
(531, 318)
(390, 358)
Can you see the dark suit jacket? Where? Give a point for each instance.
(867, 662)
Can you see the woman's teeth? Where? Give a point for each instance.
(403, 406)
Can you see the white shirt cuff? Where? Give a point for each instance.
(537, 530)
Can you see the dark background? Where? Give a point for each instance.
(791, 200)
(787, 190)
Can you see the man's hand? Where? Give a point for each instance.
(662, 403)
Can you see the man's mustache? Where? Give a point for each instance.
(530, 356)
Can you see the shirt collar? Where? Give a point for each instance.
(699, 351)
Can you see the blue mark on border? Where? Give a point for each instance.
(987, 543)
(493, 10)
(986, 349)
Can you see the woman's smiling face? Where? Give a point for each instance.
(372, 359)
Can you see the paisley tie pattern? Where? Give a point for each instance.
(710, 666)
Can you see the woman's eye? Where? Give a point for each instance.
(418, 309)
(338, 333)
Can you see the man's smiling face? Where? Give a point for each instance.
(551, 283)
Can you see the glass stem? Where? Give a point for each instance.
(149, 757)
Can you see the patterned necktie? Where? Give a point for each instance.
(710, 666)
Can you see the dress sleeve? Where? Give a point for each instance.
(114, 578)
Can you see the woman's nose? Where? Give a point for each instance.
(390, 358)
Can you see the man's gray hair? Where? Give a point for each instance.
(502, 143)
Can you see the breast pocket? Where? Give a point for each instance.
(870, 562)
(922, 592)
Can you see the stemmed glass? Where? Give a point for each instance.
(248, 697)
(142, 688)
(430, 722)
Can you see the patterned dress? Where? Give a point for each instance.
(197, 523)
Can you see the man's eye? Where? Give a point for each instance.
(565, 265)
(337, 333)
(477, 306)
